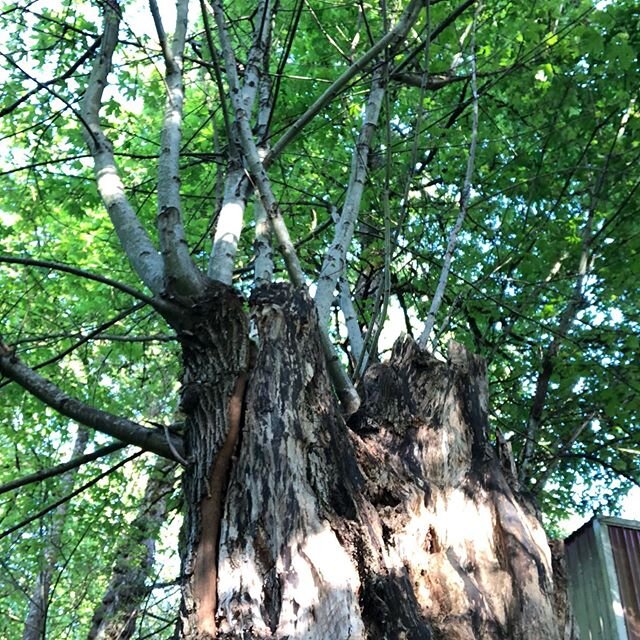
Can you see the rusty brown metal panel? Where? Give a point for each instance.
(625, 544)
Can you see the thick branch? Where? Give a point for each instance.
(134, 239)
(181, 273)
(263, 266)
(120, 428)
(263, 250)
(345, 300)
(229, 227)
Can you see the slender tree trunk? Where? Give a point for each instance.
(116, 616)
(402, 526)
(35, 623)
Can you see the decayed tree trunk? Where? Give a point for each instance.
(402, 525)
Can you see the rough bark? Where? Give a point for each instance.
(215, 344)
(325, 531)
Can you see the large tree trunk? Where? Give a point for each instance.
(402, 526)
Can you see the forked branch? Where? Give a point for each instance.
(237, 189)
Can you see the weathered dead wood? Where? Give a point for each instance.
(476, 553)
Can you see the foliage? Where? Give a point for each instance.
(555, 182)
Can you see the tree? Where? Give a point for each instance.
(227, 214)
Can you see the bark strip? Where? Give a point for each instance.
(206, 564)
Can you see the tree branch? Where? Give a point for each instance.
(356, 340)
(548, 361)
(342, 384)
(43, 85)
(229, 226)
(335, 257)
(449, 20)
(390, 40)
(156, 303)
(567, 318)
(236, 191)
(54, 397)
(59, 469)
(69, 496)
(464, 203)
(181, 273)
(133, 237)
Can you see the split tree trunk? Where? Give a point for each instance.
(402, 525)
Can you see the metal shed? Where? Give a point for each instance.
(603, 568)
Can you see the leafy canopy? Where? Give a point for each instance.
(544, 278)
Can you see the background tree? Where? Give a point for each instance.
(173, 196)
